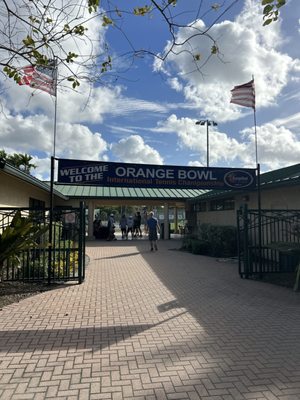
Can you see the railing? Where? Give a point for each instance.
(258, 231)
(60, 259)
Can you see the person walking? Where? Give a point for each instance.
(111, 228)
(123, 226)
(129, 227)
(138, 227)
(153, 228)
(137, 232)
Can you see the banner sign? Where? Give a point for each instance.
(101, 173)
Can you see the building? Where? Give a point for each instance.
(280, 189)
(19, 189)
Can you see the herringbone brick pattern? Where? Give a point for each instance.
(162, 325)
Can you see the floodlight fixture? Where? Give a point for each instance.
(208, 123)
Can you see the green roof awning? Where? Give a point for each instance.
(127, 193)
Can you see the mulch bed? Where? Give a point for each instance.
(13, 292)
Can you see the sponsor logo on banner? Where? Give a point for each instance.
(238, 179)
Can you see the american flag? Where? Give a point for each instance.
(244, 95)
(41, 77)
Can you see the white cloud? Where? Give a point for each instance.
(43, 169)
(175, 84)
(195, 164)
(277, 145)
(291, 121)
(246, 48)
(37, 132)
(194, 137)
(77, 141)
(134, 150)
(26, 133)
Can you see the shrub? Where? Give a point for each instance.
(187, 242)
(200, 247)
(212, 240)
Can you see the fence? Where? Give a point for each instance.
(258, 233)
(59, 258)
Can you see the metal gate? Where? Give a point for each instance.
(257, 230)
(60, 257)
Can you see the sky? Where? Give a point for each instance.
(145, 111)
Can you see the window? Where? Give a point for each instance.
(39, 205)
(222, 204)
(35, 203)
(200, 206)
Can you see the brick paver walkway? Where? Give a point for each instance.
(162, 325)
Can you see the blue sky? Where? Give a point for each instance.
(148, 114)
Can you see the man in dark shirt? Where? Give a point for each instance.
(153, 228)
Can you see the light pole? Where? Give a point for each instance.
(207, 123)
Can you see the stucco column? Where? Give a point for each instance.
(166, 221)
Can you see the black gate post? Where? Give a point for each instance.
(259, 222)
(81, 241)
(239, 214)
(50, 248)
(246, 241)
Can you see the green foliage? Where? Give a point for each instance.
(74, 81)
(187, 242)
(271, 10)
(141, 11)
(93, 5)
(215, 6)
(28, 41)
(106, 64)
(18, 160)
(21, 234)
(70, 57)
(212, 240)
(222, 239)
(40, 32)
(214, 49)
(106, 21)
(65, 264)
(201, 247)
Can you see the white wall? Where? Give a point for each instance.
(277, 198)
(16, 193)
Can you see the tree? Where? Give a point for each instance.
(36, 32)
(18, 160)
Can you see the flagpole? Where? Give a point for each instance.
(52, 169)
(255, 133)
(54, 128)
(255, 130)
(258, 194)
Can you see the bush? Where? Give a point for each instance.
(200, 247)
(212, 240)
(187, 242)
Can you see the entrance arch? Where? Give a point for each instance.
(119, 183)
